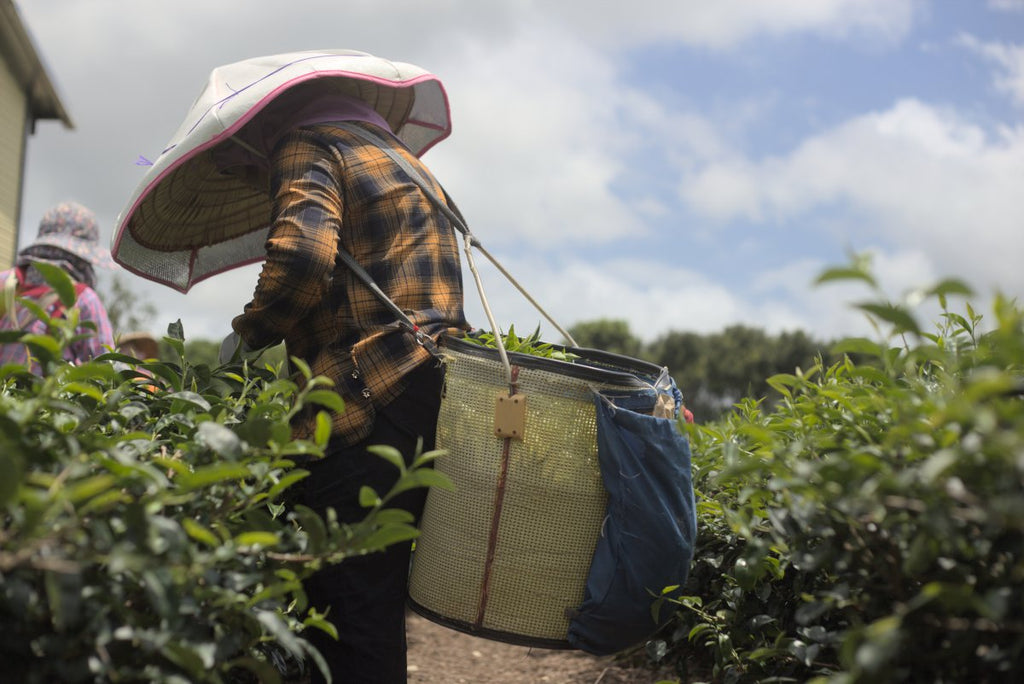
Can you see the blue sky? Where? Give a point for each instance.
(679, 164)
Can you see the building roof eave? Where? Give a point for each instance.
(26, 64)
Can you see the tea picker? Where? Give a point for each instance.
(573, 501)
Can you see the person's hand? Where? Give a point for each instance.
(233, 348)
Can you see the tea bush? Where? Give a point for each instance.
(142, 532)
(870, 527)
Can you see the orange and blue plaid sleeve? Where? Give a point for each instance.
(302, 243)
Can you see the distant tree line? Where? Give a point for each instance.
(713, 370)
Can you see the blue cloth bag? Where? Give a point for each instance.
(647, 541)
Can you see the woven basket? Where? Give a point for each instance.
(506, 554)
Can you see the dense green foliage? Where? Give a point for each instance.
(142, 532)
(719, 369)
(206, 353)
(609, 335)
(869, 527)
(861, 523)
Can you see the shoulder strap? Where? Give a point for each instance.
(368, 280)
(447, 208)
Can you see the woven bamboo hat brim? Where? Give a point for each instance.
(188, 220)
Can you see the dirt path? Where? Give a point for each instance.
(439, 655)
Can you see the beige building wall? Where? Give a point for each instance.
(13, 112)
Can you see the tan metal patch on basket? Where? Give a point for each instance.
(510, 416)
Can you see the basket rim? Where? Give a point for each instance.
(594, 365)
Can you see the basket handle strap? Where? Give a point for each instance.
(403, 320)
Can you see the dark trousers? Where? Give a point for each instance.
(367, 594)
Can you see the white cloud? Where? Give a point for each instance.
(724, 24)
(784, 297)
(913, 176)
(535, 136)
(1006, 5)
(1009, 58)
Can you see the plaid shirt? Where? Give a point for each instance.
(332, 190)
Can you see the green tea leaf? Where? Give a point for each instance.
(858, 345)
(314, 527)
(257, 538)
(898, 316)
(389, 454)
(951, 286)
(85, 389)
(391, 534)
(191, 398)
(57, 278)
(175, 331)
(286, 481)
(845, 273)
(322, 433)
(81, 490)
(212, 474)
(326, 398)
(368, 497)
(219, 439)
(200, 533)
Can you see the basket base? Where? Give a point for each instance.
(492, 634)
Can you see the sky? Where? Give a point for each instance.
(681, 165)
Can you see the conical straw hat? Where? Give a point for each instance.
(188, 220)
